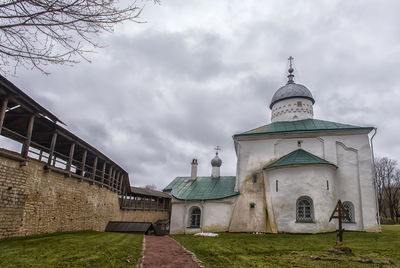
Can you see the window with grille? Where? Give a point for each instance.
(304, 210)
(195, 216)
(348, 206)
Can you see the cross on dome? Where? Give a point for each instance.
(291, 70)
(217, 148)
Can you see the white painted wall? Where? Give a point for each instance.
(295, 182)
(353, 180)
(288, 110)
(215, 215)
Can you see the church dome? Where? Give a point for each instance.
(291, 102)
(291, 90)
(216, 161)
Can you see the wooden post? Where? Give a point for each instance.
(117, 180)
(83, 163)
(341, 214)
(27, 143)
(70, 158)
(3, 113)
(110, 170)
(103, 171)
(340, 234)
(52, 146)
(112, 178)
(40, 155)
(93, 175)
(123, 198)
(120, 183)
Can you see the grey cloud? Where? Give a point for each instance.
(155, 98)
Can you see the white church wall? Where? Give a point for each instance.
(312, 145)
(292, 109)
(295, 182)
(356, 179)
(355, 182)
(215, 215)
(253, 155)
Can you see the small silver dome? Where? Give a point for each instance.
(291, 90)
(216, 161)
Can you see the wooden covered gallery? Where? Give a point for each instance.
(146, 199)
(43, 138)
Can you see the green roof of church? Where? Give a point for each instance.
(305, 125)
(297, 158)
(203, 188)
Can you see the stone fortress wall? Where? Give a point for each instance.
(37, 201)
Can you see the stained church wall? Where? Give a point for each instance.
(35, 201)
(353, 179)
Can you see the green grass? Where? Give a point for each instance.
(74, 249)
(291, 250)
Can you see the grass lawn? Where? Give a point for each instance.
(74, 249)
(291, 250)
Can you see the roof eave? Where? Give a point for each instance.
(206, 199)
(361, 130)
(300, 165)
(291, 97)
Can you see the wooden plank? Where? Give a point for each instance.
(113, 178)
(103, 171)
(117, 180)
(83, 163)
(109, 176)
(94, 168)
(52, 146)
(40, 155)
(71, 157)
(27, 143)
(3, 112)
(120, 183)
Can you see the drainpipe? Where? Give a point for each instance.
(375, 184)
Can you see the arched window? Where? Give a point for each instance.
(304, 209)
(349, 207)
(195, 216)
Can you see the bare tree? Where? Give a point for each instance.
(34, 33)
(388, 184)
(151, 187)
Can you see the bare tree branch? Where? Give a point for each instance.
(388, 184)
(35, 33)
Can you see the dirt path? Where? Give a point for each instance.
(162, 251)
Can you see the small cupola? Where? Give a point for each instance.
(292, 101)
(216, 163)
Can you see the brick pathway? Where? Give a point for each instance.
(162, 251)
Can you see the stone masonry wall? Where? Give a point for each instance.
(35, 201)
(12, 197)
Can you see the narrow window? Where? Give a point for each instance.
(299, 142)
(348, 206)
(195, 216)
(255, 178)
(327, 185)
(252, 205)
(304, 209)
(276, 182)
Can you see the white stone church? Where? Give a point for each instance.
(290, 175)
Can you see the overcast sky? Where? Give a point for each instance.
(169, 90)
